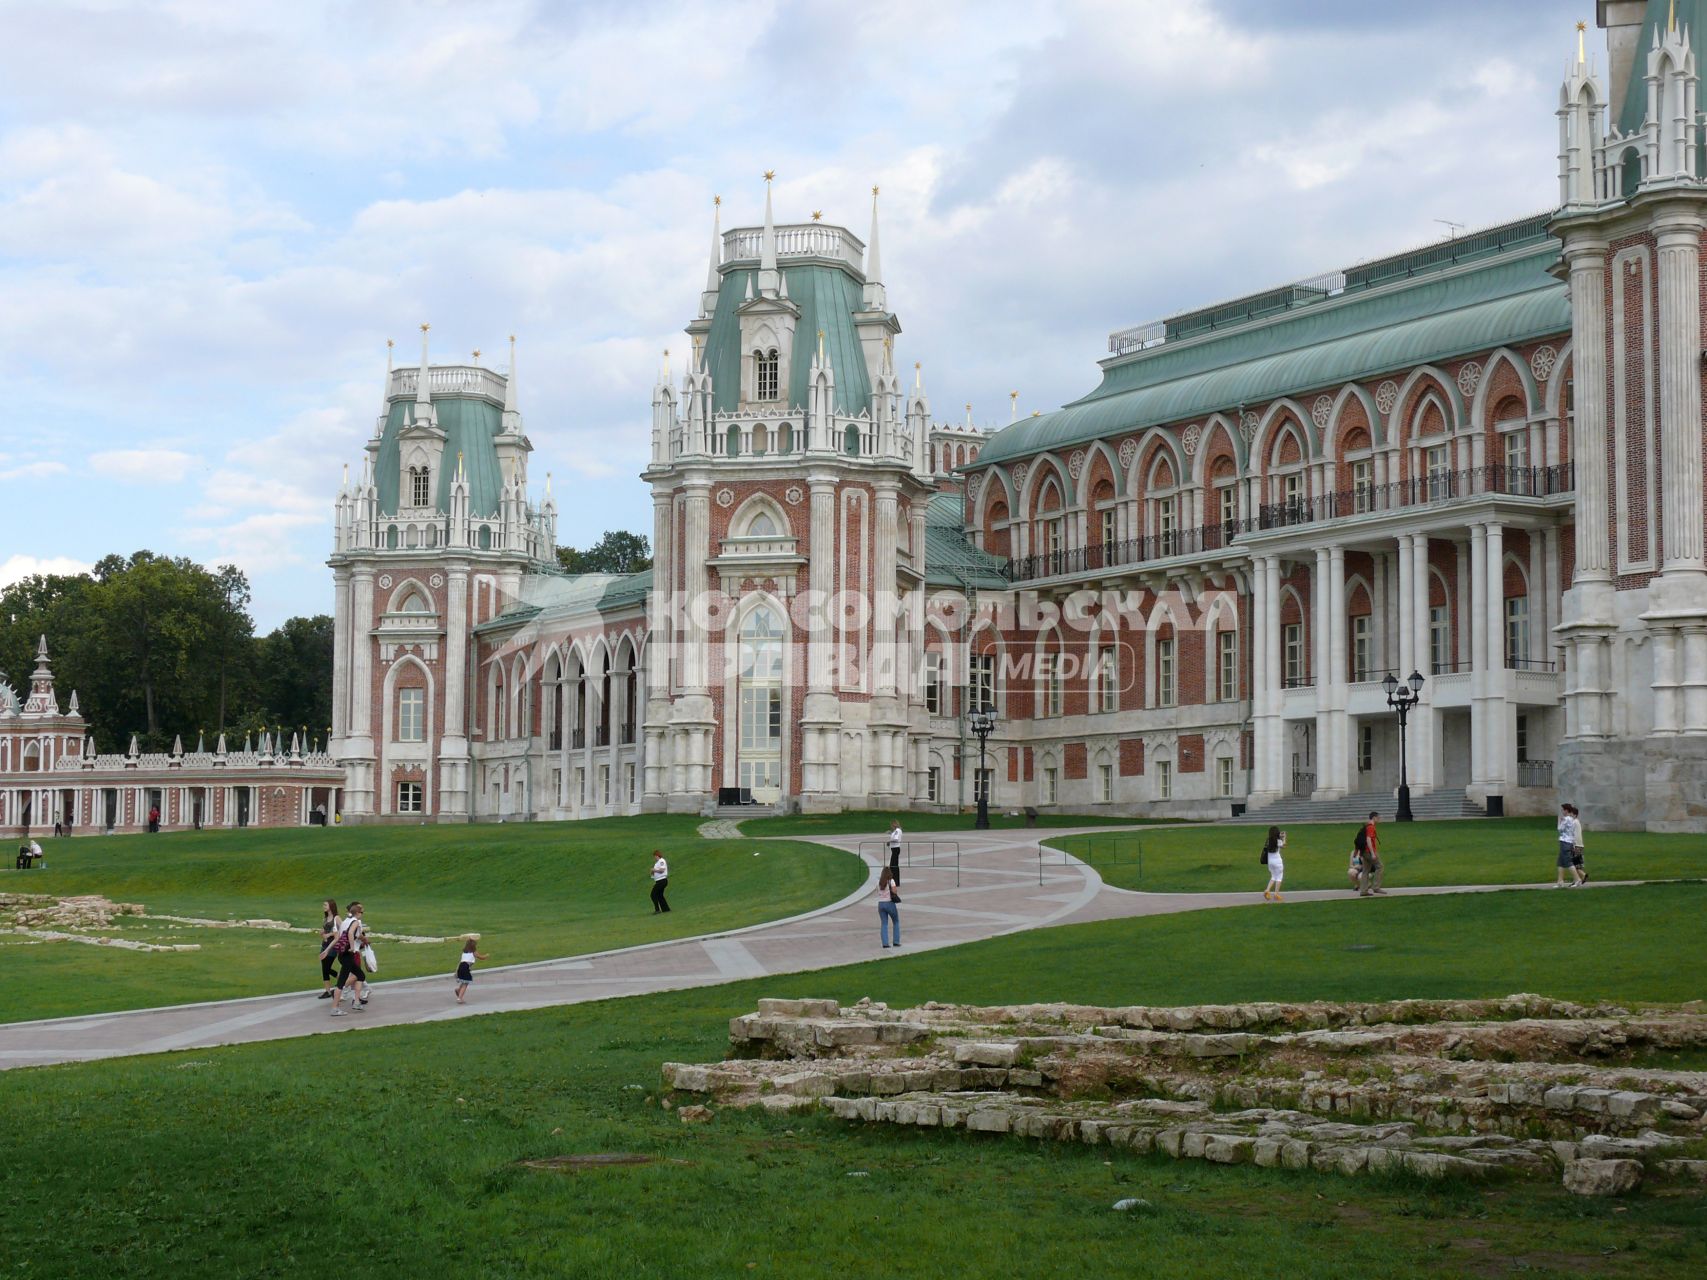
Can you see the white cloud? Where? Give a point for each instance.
(15, 568)
(143, 466)
(32, 470)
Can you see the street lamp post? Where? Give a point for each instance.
(1402, 697)
(982, 723)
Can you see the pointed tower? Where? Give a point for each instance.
(1582, 132)
(1634, 750)
(875, 297)
(41, 701)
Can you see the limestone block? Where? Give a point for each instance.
(1499, 1091)
(1679, 1110)
(1382, 1159)
(1561, 1097)
(900, 1033)
(1591, 1099)
(887, 1084)
(1265, 1152)
(799, 1008)
(1168, 1141)
(1091, 1131)
(1602, 1177)
(842, 1108)
(989, 1120)
(1026, 1079)
(687, 1077)
(805, 1084)
(784, 1102)
(1229, 1149)
(928, 1115)
(1296, 1154)
(695, 1115)
(1685, 1170)
(1432, 1164)
(1629, 1105)
(1193, 1143)
(995, 1054)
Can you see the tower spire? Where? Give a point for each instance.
(421, 396)
(875, 295)
(511, 413)
(708, 299)
(767, 244)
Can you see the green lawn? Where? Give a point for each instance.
(875, 822)
(532, 891)
(1477, 851)
(402, 1155)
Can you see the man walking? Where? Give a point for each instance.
(660, 882)
(1369, 849)
(895, 850)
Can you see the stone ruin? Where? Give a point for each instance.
(1443, 1088)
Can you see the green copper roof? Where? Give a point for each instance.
(827, 298)
(1509, 299)
(469, 426)
(950, 560)
(1691, 15)
(551, 596)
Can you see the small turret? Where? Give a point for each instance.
(769, 277)
(876, 297)
(713, 274)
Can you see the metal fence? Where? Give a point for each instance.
(918, 853)
(1099, 849)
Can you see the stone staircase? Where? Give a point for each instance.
(741, 811)
(1442, 803)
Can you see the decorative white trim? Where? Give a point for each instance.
(1633, 556)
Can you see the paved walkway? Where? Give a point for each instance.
(997, 887)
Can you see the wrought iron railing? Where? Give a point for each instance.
(1534, 773)
(1397, 495)
(1303, 782)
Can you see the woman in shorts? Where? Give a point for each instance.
(354, 934)
(1276, 863)
(329, 925)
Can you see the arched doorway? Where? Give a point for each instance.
(760, 701)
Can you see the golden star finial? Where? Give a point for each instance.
(425, 327)
(512, 337)
(477, 353)
(874, 191)
(1582, 26)
(769, 174)
(717, 200)
(817, 215)
(390, 343)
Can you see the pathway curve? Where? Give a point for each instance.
(996, 886)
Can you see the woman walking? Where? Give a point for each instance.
(888, 908)
(1276, 863)
(465, 967)
(1570, 835)
(660, 882)
(329, 926)
(348, 945)
(1579, 872)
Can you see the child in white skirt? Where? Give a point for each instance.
(1276, 863)
(465, 968)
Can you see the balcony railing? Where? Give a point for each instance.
(1530, 664)
(1303, 782)
(1398, 495)
(1534, 773)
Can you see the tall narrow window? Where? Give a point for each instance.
(1229, 506)
(1164, 780)
(981, 779)
(933, 681)
(1227, 667)
(1439, 639)
(765, 381)
(1105, 783)
(420, 487)
(933, 784)
(1224, 776)
(1365, 748)
(1167, 525)
(1523, 739)
(1362, 647)
(981, 679)
(1439, 465)
(1108, 528)
(1362, 487)
(1517, 478)
(1292, 494)
(1052, 691)
(1292, 646)
(1164, 673)
(1051, 785)
(1516, 631)
(1108, 679)
(411, 715)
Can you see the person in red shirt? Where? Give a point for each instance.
(1371, 851)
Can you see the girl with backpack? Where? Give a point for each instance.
(329, 927)
(347, 946)
(1276, 864)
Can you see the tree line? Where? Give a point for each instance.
(161, 646)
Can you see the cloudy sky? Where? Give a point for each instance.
(212, 216)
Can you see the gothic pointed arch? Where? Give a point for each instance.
(1430, 378)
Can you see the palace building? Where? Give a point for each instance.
(51, 775)
(1480, 460)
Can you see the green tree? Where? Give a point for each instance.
(295, 663)
(616, 552)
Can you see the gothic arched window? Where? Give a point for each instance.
(761, 526)
(765, 380)
(420, 487)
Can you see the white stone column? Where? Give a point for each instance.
(340, 657)
(1680, 403)
(884, 554)
(1498, 709)
(453, 797)
(1588, 446)
(1666, 719)
(661, 621)
(1338, 745)
(1423, 720)
(1262, 768)
(1407, 606)
(1478, 651)
(820, 774)
(1694, 679)
(1321, 670)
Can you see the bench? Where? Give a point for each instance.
(25, 857)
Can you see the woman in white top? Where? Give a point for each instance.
(1570, 835)
(1276, 863)
(660, 882)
